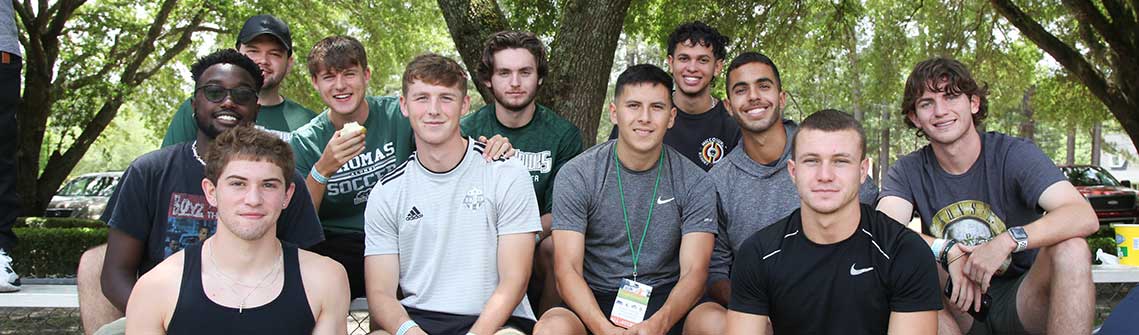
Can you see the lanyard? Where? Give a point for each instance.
(624, 210)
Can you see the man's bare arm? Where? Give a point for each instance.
(515, 257)
(381, 272)
(740, 323)
(924, 322)
(120, 267)
(569, 255)
(150, 307)
(333, 294)
(695, 253)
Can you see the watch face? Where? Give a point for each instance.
(1018, 233)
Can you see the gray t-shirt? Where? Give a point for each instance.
(587, 200)
(445, 229)
(752, 196)
(1002, 189)
(9, 34)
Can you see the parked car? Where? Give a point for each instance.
(1114, 201)
(84, 196)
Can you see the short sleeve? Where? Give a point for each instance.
(303, 151)
(1033, 170)
(132, 207)
(515, 203)
(299, 223)
(571, 199)
(720, 266)
(749, 281)
(183, 127)
(896, 183)
(568, 148)
(381, 225)
(913, 279)
(699, 212)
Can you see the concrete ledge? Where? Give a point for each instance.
(1115, 274)
(65, 296)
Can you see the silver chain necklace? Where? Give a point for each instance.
(195, 147)
(241, 306)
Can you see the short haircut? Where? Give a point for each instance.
(642, 74)
(248, 143)
(227, 56)
(336, 53)
(943, 75)
(436, 70)
(752, 57)
(830, 120)
(512, 40)
(699, 34)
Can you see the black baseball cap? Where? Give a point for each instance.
(266, 24)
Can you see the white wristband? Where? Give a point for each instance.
(936, 247)
(407, 325)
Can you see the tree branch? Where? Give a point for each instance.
(183, 42)
(146, 46)
(1061, 52)
(1085, 11)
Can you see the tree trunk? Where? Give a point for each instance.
(855, 76)
(1028, 126)
(1097, 142)
(581, 58)
(884, 147)
(1070, 159)
(470, 22)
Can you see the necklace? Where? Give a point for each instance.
(195, 147)
(241, 306)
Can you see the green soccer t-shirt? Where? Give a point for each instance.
(285, 117)
(388, 144)
(544, 145)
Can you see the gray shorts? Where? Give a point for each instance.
(1002, 317)
(117, 327)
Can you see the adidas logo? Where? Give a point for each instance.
(414, 214)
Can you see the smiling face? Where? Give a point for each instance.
(434, 111)
(944, 117)
(271, 56)
(343, 90)
(827, 169)
(514, 79)
(693, 66)
(249, 197)
(754, 97)
(642, 114)
(213, 118)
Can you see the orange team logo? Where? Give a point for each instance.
(711, 150)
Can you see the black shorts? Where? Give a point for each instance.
(605, 300)
(1003, 318)
(447, 323)
(348, 250)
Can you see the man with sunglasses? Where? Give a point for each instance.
(159, 199)
(268, 42)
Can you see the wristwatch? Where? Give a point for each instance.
(1020, 237)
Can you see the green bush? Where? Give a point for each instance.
(42, 222)
(1105, 243)
(53, 252)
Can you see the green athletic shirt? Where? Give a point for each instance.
(544, 145)
(285, 117)
(387, 145)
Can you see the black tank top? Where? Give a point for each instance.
(195, 313)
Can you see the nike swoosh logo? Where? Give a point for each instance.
(855, 272)
(665, 201)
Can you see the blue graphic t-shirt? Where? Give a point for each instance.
(159, 201)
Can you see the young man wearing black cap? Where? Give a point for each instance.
(268, 42)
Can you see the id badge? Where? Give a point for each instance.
(632, 303)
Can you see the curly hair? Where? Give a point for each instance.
(227, 56)
(701, 34)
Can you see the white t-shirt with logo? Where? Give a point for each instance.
(445, 229)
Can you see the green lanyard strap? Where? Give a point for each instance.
(625, 210)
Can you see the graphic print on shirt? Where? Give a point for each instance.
(362, 172)
(969, 222)
(190, 219)
(711, 150)
(474, 199)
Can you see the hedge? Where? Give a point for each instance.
(43, 222)
(53, 252)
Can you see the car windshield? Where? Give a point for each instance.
(1089, 176)
(89, 186)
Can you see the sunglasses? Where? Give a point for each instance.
(217, 94)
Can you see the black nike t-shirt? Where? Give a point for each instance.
(849, 287)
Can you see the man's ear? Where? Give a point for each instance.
(209, 188)
(289, 194)
(791, 169)
(865, 170)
